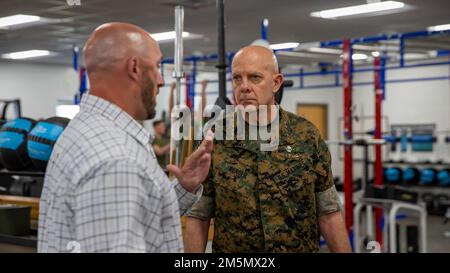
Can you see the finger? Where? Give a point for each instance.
(175, 170)
(205, 158)
(204, 147)
(207, 143)
(198, 153)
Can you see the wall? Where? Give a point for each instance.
(38, 86)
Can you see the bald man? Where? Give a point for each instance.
(268, 201)
(104, 190)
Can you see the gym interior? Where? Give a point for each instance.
(372, 76)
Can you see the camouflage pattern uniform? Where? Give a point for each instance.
(269, 201)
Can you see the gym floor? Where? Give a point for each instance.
(437, 241)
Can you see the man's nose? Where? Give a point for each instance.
(160, 80)
(244, 87)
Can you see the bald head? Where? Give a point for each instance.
(123, 66)
(255, 76)
(113, 43)
(258, 54)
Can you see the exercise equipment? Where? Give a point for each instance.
(15, 219)
(443, 178)
(428, 199)
(1, 124)
(13, 144)
(393, 175)
(20, 187)
(42, 138)
(428, 176)
(6, 104)
(412, 242)
(391, 192)
(390, 208)
(411, 176)
(441, 201)
(422, 139)
(5, 184)
(175, 153)
(279, 94)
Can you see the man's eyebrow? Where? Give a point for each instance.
(255, 73)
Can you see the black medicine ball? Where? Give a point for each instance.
(13, 144)
(42, 138)
(1, 124)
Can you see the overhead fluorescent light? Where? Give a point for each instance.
(283, 46)
(26, 54)
(169, 35)
(17, 20)
(359, 56)
(325, 50)
(439, 27)
(359, 9)
(67, 110)
(376, 54)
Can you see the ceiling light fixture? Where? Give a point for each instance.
(283, 46)
(359, 9)
(169, 35)
(26, 54)
(17, 20)
(439, 27)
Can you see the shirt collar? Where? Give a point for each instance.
(97, 105)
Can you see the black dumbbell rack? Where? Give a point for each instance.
(28, 240)
(22, 173)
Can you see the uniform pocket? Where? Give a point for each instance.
(295, 180)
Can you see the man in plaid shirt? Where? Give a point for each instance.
(104, 190)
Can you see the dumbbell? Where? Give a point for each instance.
(440, 201)
(429, 198)
(20, 187)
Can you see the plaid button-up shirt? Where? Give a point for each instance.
(104, 190)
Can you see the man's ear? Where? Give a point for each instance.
(133, 69)
(277, 82)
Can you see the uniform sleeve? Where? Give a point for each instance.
(323, 167)
(205, 207)
(327, 198)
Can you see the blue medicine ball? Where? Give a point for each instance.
(411, 175)
(13, 144)
(42, 139)
(393, 175)
(428, 176)
(443, 178)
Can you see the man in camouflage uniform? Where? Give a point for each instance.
(268, 201)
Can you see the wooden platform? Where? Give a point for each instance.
(33, 202)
